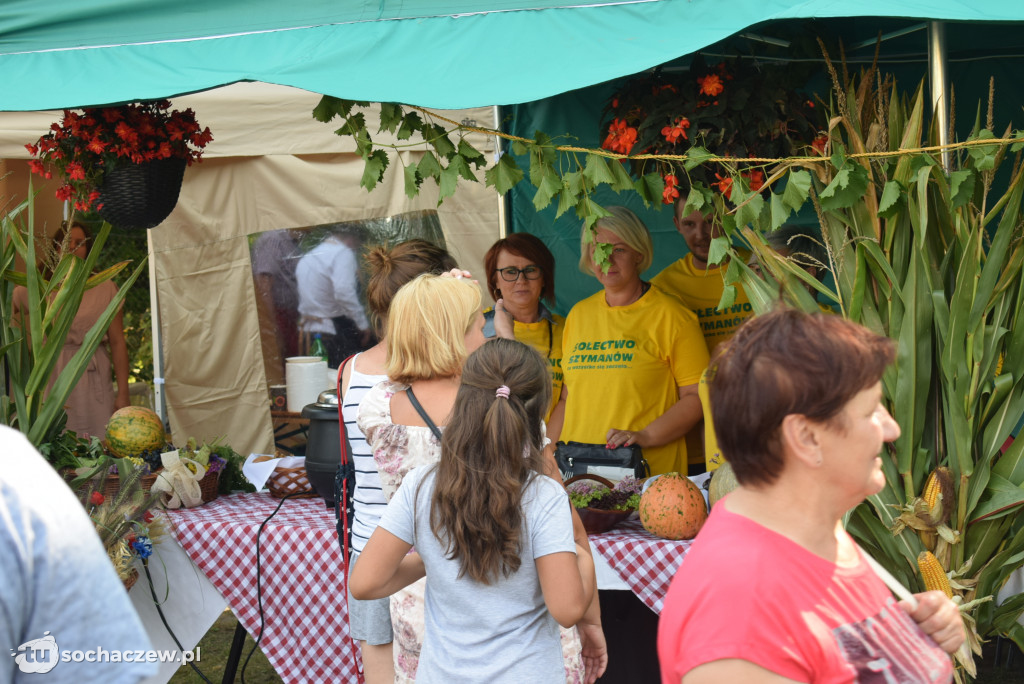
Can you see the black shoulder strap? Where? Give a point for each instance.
(423, 414)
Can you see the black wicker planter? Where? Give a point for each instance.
(141, 195)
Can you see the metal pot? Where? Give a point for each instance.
(323, 444)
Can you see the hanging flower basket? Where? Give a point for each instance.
(125, 162)
(140, 195)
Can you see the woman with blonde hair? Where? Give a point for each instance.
(493, 535)
(389, 269)
(631, 354)
(433, 324)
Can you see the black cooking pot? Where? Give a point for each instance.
(323, 444)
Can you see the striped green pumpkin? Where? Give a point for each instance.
(133, 430)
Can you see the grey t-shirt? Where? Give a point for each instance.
(500, 632)
(58, 589)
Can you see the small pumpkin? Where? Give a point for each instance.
(673, 507)
(723, 481)
(134, 430)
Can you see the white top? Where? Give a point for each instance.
(498, 632)
(368, 497)
(326, 279)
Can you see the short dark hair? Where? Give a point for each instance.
(529, 247)
(781, 363)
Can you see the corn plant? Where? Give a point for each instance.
(31, 340)
(934, 259)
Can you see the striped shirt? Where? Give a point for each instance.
(368, 497)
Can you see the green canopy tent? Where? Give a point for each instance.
(431, 53)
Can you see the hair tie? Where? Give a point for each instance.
(502, 392)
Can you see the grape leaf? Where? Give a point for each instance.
(696, 156)
(390, 117)
(550, 185)
(603, 250)
(718, 249)
(447, 184)
(411, 123)
(412, 180)
(798, 187)
(458, 162)
(471, 154)
(597, 170)
(889, 203)
(590, 211)
(429, 167)
(373, 171)
(441, 142)
(846, 189)
(961, 187)
(504, 175)
(650, 187)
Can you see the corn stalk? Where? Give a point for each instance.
(934, 260)
(32, 340)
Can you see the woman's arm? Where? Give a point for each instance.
(568, 583)
(670, 426)
(119, 359)
(733, 670)
(384, 567)
(557, 420)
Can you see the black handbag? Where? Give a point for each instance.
(577, 458)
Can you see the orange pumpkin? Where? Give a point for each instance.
(673, 507)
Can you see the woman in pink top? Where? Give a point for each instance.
(774, 589)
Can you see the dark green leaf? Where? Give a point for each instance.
(696, 156)
(846, 189)
(984, 156)
(780, 212)
(462, 168)
(519, 148)
(650, 187)
(441, 142)
(503, 175)
(623, 181)
(961, 187)
(364, 146)
(411, 123)
(373, 172)
(327, 108)
(749, 204)
(390, 117)
(471, 154)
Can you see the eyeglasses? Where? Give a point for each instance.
(511, 274)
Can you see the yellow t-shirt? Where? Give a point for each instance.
(712, 454)
(623, 366)
(546, 337)
(701, 291)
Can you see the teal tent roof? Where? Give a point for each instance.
(436, 53)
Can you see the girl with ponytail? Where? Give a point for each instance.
(493, 535)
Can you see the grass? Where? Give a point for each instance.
(216, 647)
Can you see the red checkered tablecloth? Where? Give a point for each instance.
(644, 562)
(305, 633)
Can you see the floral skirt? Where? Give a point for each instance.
(407, 621)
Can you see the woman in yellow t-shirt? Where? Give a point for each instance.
(520, 273)
(632, 354)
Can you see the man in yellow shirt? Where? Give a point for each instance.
(698, 284)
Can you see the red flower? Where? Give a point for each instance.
(621, 137)
(96, 498)
(75, 171)
(65, 192)
(710, 85)
(724, 185)
(756, 177)
(36, 166)
(126, 133)
(671, 191)
(819, 143)
(673, 133)
(147, 516)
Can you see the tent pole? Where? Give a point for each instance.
(502, 206)
(158, 347)
(938, 84)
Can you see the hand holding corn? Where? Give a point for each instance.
(939, 618)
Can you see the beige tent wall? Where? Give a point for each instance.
(270, 166)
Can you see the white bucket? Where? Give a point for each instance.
(304, 378)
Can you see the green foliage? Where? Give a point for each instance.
(31, 341)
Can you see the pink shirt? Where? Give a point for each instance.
(748, 593)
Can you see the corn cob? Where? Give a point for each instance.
(932, 574)
(938, 495)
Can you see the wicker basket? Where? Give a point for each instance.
(598, 520)
(141, 195)
(209, 485)
(285, 481)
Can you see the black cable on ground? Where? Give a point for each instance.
(160, 612)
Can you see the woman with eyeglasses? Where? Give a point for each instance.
(93, 400)
(520, 273)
